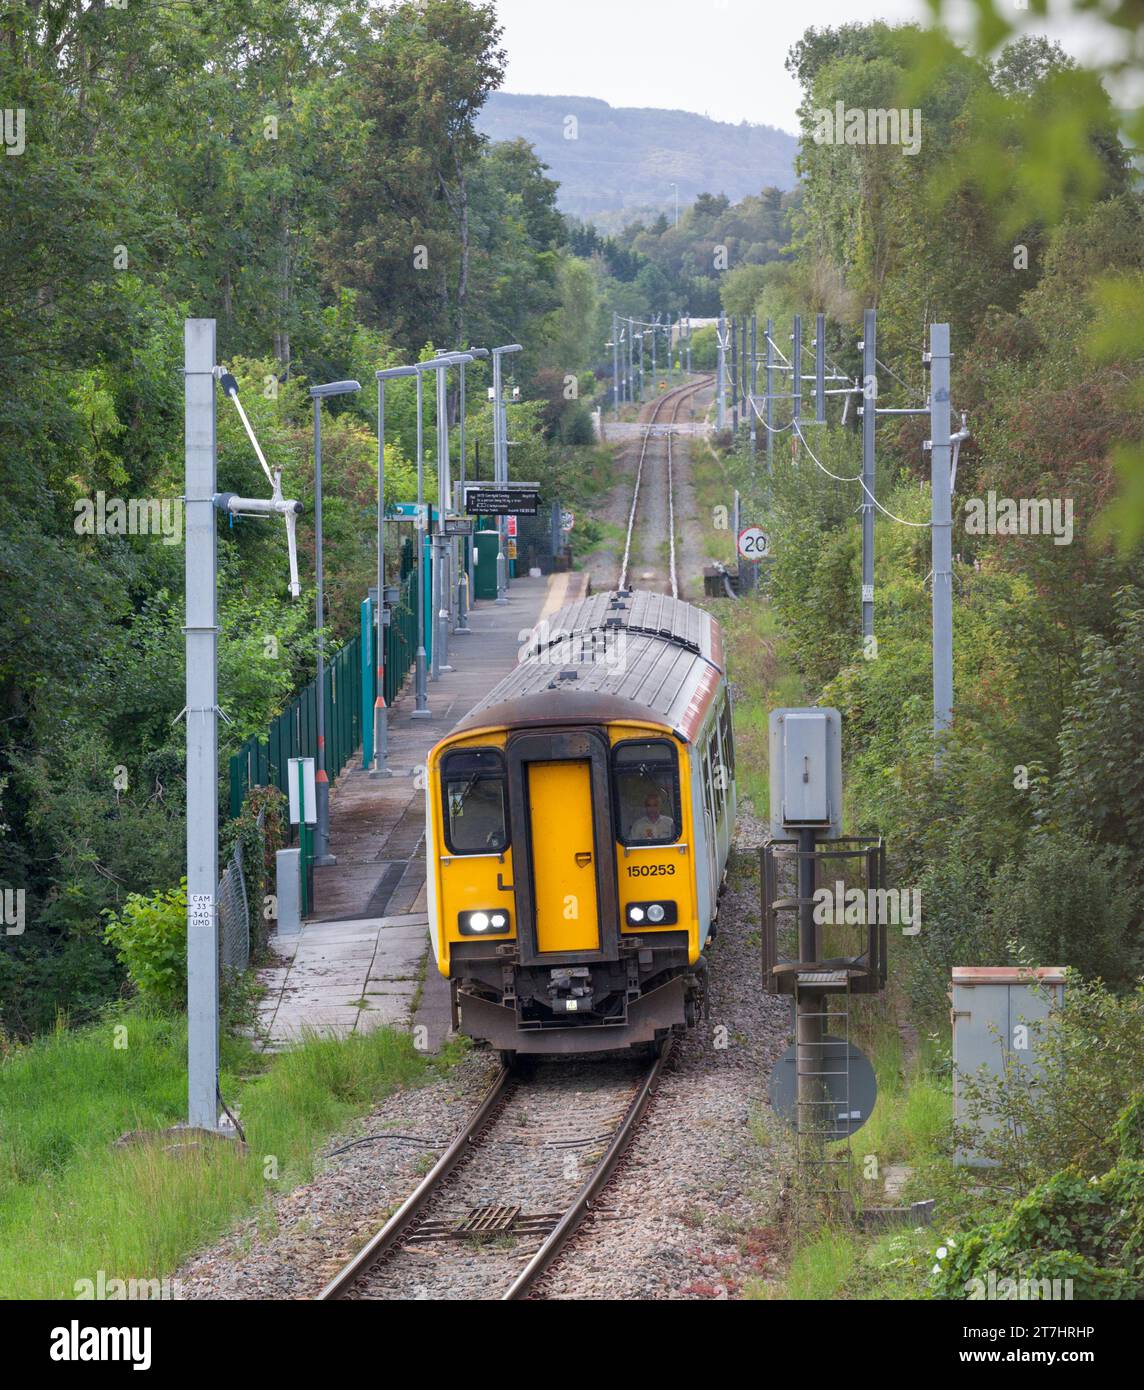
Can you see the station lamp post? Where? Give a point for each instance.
(322, 853)
(438, 545)
(465, 574)
(380, 712)
(500, 461)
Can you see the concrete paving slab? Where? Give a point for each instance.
(390, 1012)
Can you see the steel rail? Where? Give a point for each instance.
(404, 1219)
(677, 397)
(596, 1181)
(398, 1224)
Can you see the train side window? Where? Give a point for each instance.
(645, 778)
(728, 730)
(473, 790)
(718, 775)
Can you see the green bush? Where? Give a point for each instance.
(1087, 1230)
(150, 937)
(956, 930)
(576, 426)
(1069, 901)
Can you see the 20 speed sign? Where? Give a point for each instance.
(753, 543)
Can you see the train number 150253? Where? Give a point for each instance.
(649, 870)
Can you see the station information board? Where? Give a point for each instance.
(501, 502)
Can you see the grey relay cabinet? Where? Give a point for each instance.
(994, 1008)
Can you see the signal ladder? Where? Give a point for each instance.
(826, 1118)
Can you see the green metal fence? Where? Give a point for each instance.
(294, 734)
(263, 762)
(401, 635)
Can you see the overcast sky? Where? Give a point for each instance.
(719, 57)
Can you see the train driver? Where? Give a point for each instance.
(653, 824)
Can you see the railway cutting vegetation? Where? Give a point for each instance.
(650, 805)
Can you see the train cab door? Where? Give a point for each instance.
(710, 828)
(565, 880)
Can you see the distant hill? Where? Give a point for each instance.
(624, 160)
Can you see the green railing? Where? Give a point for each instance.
(264, 762)
(400, 639)
(294, 734)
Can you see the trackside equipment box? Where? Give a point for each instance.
(806, 772)
(994, 1010)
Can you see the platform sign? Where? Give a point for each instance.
(501, 502)
(306, 795)
(420, 513)
(502, 499)
(753, 543)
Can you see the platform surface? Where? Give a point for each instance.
(360, 959)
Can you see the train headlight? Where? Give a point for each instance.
(492, 921)
(660, 914)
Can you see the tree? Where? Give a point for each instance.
(403, 231)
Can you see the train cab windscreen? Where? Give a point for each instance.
(647, 793)
(474, 788)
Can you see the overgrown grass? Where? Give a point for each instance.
(834, 1258)
(838, 1264)
(72, 1204)
(763, 679)
(712, 490)
(819, 1269)
(910, 1124)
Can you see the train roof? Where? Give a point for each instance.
(617, 655)
(636, 610)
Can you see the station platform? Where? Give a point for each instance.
(359, 961)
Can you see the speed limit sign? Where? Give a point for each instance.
(753, 543)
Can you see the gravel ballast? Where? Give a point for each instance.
(684, 1216)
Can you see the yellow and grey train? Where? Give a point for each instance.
(578, 823)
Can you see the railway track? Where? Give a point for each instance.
(494, 1212)
(676, 399)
